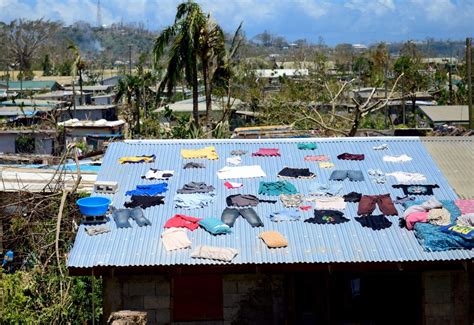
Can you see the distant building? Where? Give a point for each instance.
(358, 48)
(40, 142)
(64, 95)
(446, 114)
(96, 90)
(31, 85)
(95, 133)
(112, 81)
(276, 73)
(107, 99)
(90, 112)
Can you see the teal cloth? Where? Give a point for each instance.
(276, 188)
(214, 226)
(307, 146)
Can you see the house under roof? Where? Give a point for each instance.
(275, 73)
(309, 244)
(186, 105)
(34, 85)
(442, 114)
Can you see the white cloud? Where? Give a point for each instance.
(377, 7)
(314, 9)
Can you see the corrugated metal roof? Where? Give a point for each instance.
(447, 113)
(308, 243)
(455, 158)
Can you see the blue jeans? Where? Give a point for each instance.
(229, 215)
(353, 175)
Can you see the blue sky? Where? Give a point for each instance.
(336, 21)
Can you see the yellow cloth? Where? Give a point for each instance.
(326, 164)
(137, 159)
(273, 239)
(207, 152)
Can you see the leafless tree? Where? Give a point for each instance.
(333, 118)
(23, 38)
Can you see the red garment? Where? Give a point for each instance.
(275, 152)
(305, 207)
(415, 217)
(182, 221)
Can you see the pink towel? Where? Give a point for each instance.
(267, 152)
(415, 217)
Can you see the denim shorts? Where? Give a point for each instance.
(353, 175)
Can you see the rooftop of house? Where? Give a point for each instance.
(22, 111)
(308, 243)
(447, 113)
(275, 73)
(32, 84)
(92, 107)
(186, 105)
(33, 103)
(91, 124)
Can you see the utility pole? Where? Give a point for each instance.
(469, 80)
(130, 59)
(385, 74)
(450, 84)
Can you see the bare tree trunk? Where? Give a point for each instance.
(207, 91)
(80, 88)
(355, 123)
(195, 86)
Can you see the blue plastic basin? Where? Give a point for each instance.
(93, 205)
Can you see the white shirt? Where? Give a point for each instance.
(408, 178)
(158, 174)
(401, 158)
(175, 238)
(241, 172)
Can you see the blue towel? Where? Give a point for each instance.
(149, 190)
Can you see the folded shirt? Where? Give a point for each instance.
(285, 215)
(327, 189)
(193, 201)
(158, 174)
(400, 158)
(195, 187)
(207, 152)
(408, 178)
(288, 172)
(276, 188)
(329, 203)
(215, 253)
(149, 189)
(267, 152)
(183, 221)
(137, 159)
(229, 172)
(175, 238)
(273, 239)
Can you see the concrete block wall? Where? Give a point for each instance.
(140, 293)
(247, 298)
(253, 298)
(446, 298)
